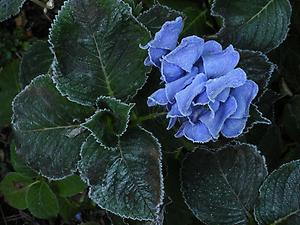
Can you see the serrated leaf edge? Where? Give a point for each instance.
(131, 106)
(214, 13)
(215, 151)
(14, 14)
(162, 192)
(83, 125)
(58, 73)
(14, 127)
(260, 189)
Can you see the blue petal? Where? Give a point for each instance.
(174, 112)
(201, 99)
(233, 79)
(187, 53)
(244, 96)
(185, 97)
(197, 112)
(170, 72)
(158, 98)
(180, 130)
(174, 87)
(215, 124)
(168, 35)
(197, 133)
(233, 127)
(172, 122)
(212, 47)
(155, 55)
(214, 106)
(218, 64)
(223, 96)
(147, 62)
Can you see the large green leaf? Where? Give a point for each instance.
(279, 197)
(128, 180)
(35, 61)
(41, 201)
(47, 128)
(96, 44)
(10, 8)
(110, 121)
(14, 187)
(9, 87)
(221, 187)
(253, 24)
(156, 16)
(18, 163)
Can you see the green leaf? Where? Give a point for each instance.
(18, 163)
(110, 122)
(156, 16)
(67, 209)
(258, 68)
(35, 61)
(253, 24)
(291, 118)
(47, 128)
(177, 212)
(9, 87)
(14, 187)
(96, 44)
(41, 201)
(279, 196)
(256, 117)
(70, 186)
(10, 8)
(128, 180)
(221, 187)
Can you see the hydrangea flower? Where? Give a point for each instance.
(203, 89)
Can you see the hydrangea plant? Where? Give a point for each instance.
(83, 111)
(203, 88)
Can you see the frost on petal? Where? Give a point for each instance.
(197, 133)
(233, 127)
(174, 87)
(158, 98)
(214, 106)
(172, 122)
(223, 96)
(187, 53)
(167, 36)
(201, 99)
(185, 97)
(155, 55)
(212, 47)
(174, 112)
(218, 64)
(233, 79)
(215, 124)
(171, 72)
(197, 112)
(244, 96)
(180, 130)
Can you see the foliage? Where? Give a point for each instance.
(82, 129)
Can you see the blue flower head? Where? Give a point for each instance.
(203, 89)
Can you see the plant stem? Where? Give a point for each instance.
(149, 117)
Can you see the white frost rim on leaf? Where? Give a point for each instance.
(162, 193)
(215, 151)
(20, 94)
